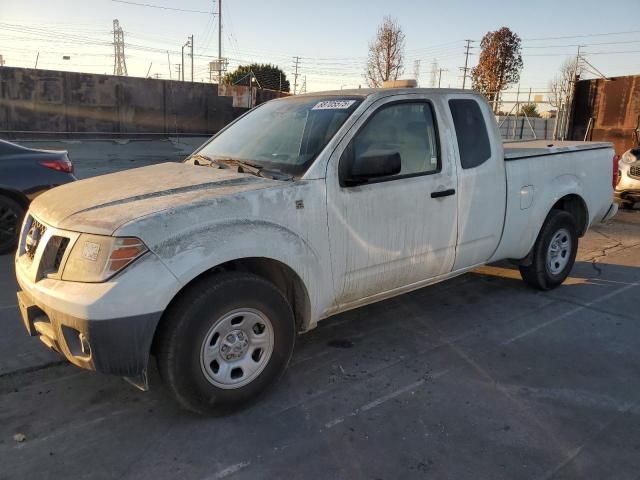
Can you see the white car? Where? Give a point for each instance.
(304, 207)
(628, 184)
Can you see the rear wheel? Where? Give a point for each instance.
(225, 341)
(11, 214)
(554, 252)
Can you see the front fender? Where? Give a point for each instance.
(189, 254)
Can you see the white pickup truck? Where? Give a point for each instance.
(302, 208)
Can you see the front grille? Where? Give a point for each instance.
(634, 171)
(34, 235)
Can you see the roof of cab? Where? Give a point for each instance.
(382, 92)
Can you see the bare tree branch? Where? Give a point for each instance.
(386, 54)
(560, 85)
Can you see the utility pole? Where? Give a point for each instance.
(568, 109)
(219, 42)
(416, 71)
(149, 70)
(37, 57)
(440, 70)
(119, 61)
(191, 45)
(296, 64)
(169, 63)
(466, 63)
(179, 70)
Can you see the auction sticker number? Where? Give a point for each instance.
(333, 105)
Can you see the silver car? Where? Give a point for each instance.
(628, 187)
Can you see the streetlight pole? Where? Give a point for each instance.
(182, 68)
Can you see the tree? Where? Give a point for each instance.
(530, 110)
(499, 65)
(560, 86)
(267, 76)
(386, 54)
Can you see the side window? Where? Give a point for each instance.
(405, 128)
(471, 131)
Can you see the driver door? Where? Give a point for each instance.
(391, 232)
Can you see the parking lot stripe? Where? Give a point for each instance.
(230, 470)
(571, 312)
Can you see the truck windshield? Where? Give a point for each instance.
(284, 135)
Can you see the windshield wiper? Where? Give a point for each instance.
(197, 157)
(242, 166)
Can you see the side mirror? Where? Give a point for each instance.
(374, 164)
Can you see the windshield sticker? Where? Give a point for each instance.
(333, 105)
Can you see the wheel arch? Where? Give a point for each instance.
(575, 205)
(285, 278)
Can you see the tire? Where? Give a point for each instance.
(550, 266)
(228, 324)
(11, 215)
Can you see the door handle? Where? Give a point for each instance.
(443, 193)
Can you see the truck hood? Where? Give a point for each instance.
(100, 205)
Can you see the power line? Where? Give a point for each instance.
(149, 5)
(579, 36)
(582, 44)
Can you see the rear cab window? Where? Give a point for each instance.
(471, 131)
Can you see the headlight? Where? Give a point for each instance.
(630, 156)
(96, 258)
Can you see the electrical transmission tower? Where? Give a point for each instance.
(433, 81)
(416, 71)
(303, 89)
(119, 61)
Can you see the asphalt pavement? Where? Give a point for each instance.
(479, 377)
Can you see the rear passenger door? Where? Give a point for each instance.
(481, 181)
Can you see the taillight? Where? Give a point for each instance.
(616, 173)
(61, 165)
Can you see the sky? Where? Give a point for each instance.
(330, 37)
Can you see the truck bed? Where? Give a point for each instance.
(516, 150)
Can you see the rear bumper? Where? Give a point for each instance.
(117, 346)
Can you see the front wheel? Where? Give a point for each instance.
(554, 252)
(225, 341)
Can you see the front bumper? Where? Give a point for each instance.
(628, 195)
(628, 187)
(117, 346)
(107, 326)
